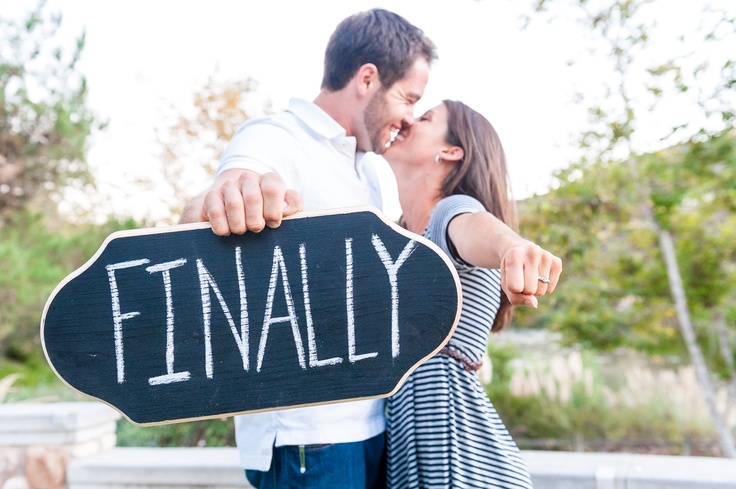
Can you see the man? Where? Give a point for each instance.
(311, 156)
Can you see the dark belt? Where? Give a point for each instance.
(469, 366)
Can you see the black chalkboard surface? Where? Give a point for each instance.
(175, 324)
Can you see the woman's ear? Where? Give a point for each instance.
(452, 154)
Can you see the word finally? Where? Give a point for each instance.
(209, 287)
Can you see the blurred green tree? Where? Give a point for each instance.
(44, 127)
(44, 117)
(33, 260)
(194, 137)
(647, 248)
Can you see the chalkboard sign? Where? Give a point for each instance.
(174, 324)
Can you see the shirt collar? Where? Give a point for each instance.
(316, 118)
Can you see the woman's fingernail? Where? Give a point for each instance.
(531, 302)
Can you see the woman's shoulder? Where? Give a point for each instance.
(453, 205)
(465, 203)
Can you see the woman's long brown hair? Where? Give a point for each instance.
(481, 174)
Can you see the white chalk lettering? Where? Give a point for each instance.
(208, 287)
(117, 316)
(206, 281)
(314, 361)
(351, 305)
(170, 376)
(279, 265)
(244, 340)
(392, 268)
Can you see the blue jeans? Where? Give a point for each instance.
(357, 465)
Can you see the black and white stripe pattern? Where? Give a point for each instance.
(443, 431)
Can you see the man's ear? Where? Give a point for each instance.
(452, 154)
(367, 78)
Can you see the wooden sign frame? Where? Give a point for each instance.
(354, 303)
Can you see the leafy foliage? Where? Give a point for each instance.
(44, 118)
(193, 140)
(548, 409)
(211, 433)
(33, 260)
(615, 290)
(658, 195)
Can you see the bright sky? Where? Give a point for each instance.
(143, 56)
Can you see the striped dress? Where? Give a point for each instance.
(443, 431)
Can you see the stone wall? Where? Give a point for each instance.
(38, 441)
(72, 446)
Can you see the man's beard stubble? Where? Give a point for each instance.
(375, 119)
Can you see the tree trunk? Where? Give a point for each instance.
(688, 333)
(724, 343)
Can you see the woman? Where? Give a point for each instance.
(442, 429)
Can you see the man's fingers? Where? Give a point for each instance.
(252, 198)
(213, 210)
(273, 190)
(233, 203)
(292, 203)
(247, 201)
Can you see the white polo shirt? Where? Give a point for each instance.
(312, 154)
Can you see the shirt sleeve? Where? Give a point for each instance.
(261, 147)
(444, 212)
